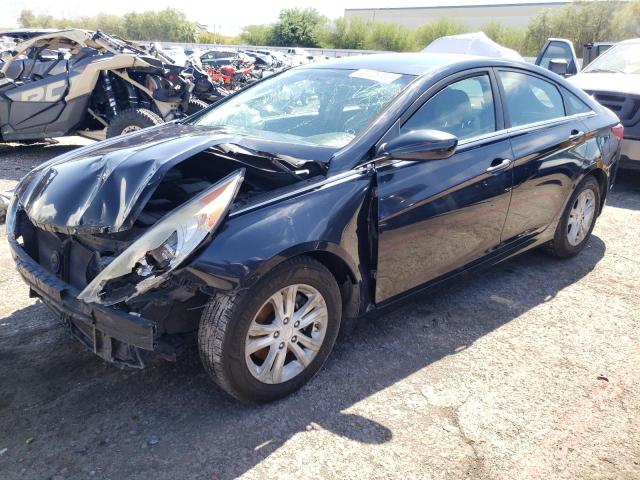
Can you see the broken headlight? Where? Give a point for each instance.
(147, 261)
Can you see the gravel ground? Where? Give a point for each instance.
(529, 370)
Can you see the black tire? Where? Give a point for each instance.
(225, 323)
(560, 246)
(135, 118)
(195, 105)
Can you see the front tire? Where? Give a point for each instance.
(269, 341)
(131, 121)
(577, 221)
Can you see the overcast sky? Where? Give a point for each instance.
(226, 17)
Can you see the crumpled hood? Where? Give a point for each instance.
(104, 186)
(607, 82)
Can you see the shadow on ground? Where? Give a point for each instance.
(84, 414)
(626, 191)
(17, 159)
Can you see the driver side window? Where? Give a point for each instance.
(464, 109)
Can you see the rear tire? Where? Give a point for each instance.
(573, 231)
(131, 121)
(195, 105)
(228, 325)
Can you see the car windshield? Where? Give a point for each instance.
(622, 58)
(317, 106)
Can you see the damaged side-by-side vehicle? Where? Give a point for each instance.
(65, 82)
(261, 225)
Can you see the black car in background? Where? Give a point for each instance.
(221, 58)
(267, 221)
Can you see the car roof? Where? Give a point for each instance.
(631, 40)
(403, 63)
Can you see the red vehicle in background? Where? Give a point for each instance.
(235, 75)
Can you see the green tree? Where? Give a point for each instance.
(540, 28)
(388, 36)
(581, 22)
(347, 34)
(298, 27)
(510, 37)
(165, 25)
(428, 32)
(213, 37)
(28, 19)
(628, 20)
(256, 35)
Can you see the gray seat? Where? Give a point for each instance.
(449, 111)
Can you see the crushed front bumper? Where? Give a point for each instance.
(112, 334)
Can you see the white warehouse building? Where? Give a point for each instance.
(473, 15)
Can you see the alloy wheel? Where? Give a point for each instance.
(286, 334)
(581, 217)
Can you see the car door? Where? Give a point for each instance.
(558, 49)
(549, 148)
(437, 216)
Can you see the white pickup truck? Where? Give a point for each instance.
(613, 79)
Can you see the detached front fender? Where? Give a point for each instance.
(330, 216)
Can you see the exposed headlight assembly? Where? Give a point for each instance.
(147, 261)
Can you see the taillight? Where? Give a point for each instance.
(618, 132)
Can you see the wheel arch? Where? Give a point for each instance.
(331, 256)
(328, 222)
(603, 182)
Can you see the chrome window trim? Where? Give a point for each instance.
(549, 123)
(528, 126)
(479, 139)
(495, 136)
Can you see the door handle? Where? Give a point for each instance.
(499, 164)
(576, 135)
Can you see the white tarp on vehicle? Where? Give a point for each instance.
(472, 44)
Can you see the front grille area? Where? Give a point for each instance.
(63, 255)
(626, 107)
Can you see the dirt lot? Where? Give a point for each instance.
(530, 370)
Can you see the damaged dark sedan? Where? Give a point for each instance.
(260, 225)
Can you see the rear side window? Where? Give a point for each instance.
(530, 99)
(464, 109)
(574, 104)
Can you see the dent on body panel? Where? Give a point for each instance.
(250, 244)
(545, 169)
(110, 183)
(601, 125)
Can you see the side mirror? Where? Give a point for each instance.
(420, 145)
(559, 66)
